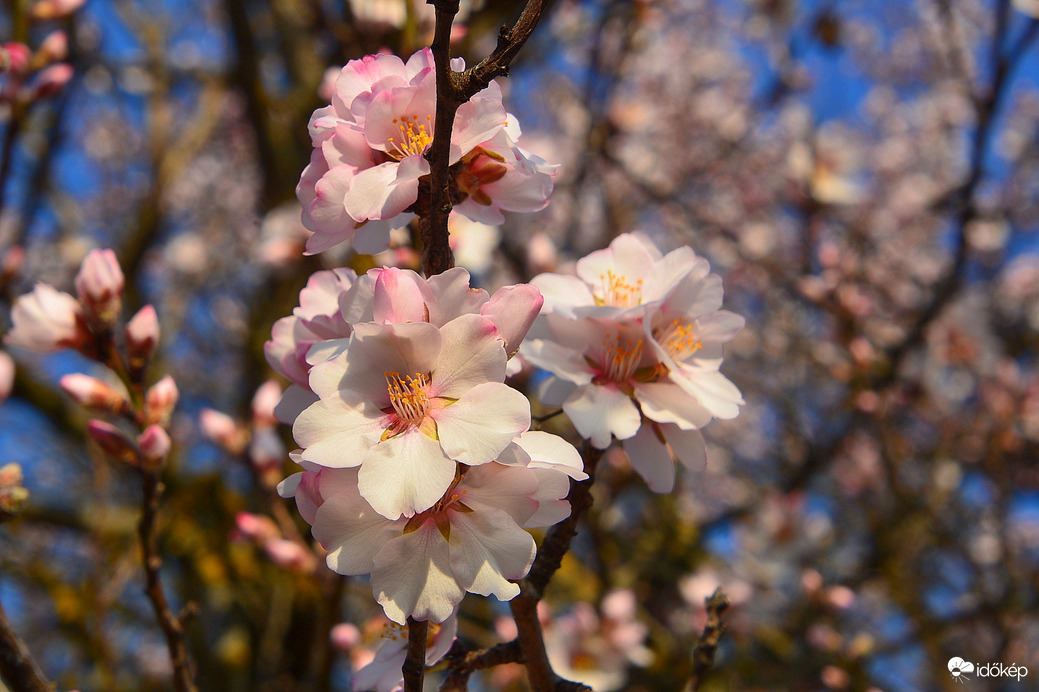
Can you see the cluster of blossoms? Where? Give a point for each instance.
(419, 465)
(369, 145)
(27, 75)
(48, 320)
(634, 346)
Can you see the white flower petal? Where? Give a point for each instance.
(688, 447)
(477, 427)
(651, 459)
(487, 549)
(666, 402)
(336, 434)
(471, 354)
(405, 474)
(597, 412)
(548, 451)
(412, 577)
(352, 532)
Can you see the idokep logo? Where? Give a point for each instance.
(959, 670)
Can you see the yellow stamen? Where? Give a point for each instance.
(620, 360)
(617, 291)
(408, 395)
(414, 138)
(679, 339)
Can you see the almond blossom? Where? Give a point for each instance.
(634, 346)
(405, 402)
(47, 320)
(319, 329)
(383, 672)
(369, 147)
(471, 539)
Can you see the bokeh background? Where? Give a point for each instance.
(863, 174)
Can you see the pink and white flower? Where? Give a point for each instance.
(319, 329)
(383, 672)
(470, 540)
(369, 154)
(634, 345)
(369, 146)
(405, 402)
(47, 320)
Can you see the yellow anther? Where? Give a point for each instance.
(679, 339)
(617, 291)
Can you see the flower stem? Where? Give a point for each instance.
(414, 668)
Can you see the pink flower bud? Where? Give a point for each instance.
(264, 401)
(54, 9)
(6, 376)
(113, 441)
(155, 446)
(94, 394)
(160, 401)
(223, 430)
(53, 49)
(289, 555)
(256, 527)
(513, 309)
(266, 450)
(100, 284)
(142, 335)
(344, 636)
(49, 81)
(47, 320)
(14, 58)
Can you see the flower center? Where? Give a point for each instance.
(619, 360)
(414, 139)
(678, 339)
(617, 291)
(408, 396)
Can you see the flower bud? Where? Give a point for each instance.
(223, 430)
(344, 636)
(513, 309)
(100, 284)
(142, 335)
(14, 58)
(155, 446)
(12, 495)
(256, 527)
(47, 320)
(113, 441)
(54, 9)
(49, 81)
(266, 398)
(289, 555)
(94, 394)
(6, 376)
(160, 401)
(53, 49)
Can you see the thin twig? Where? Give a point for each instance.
(171, 625)
(462, 662)
(703, 654)
(18, 669)
(414, 668)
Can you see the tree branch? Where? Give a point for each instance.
(17, 667)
